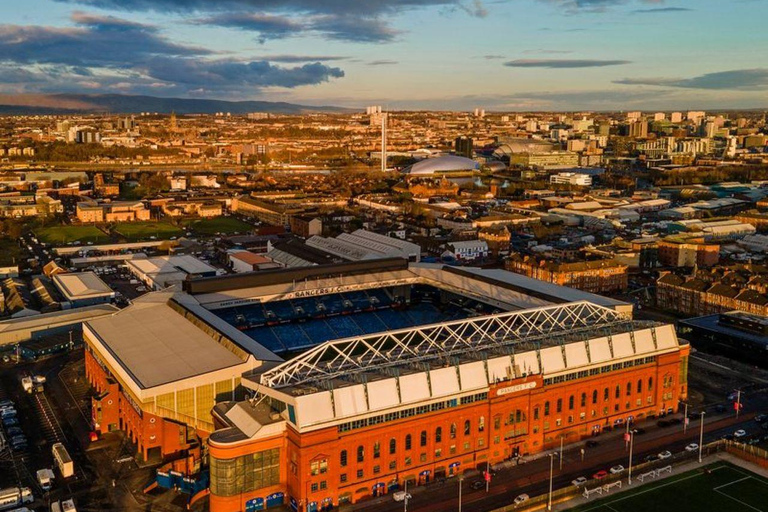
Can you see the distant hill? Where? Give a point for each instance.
(123, 104)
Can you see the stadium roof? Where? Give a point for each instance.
(531, 328)
(446, 163)
(157, 344)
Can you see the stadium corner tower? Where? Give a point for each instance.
(326, 385)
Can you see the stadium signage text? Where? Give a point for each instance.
(315, 292)
(514, 389)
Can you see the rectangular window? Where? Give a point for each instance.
(359, 473)
(313, 487)
(343, 477)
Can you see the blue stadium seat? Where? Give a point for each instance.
(318, 331)
(369, 322)
(266, 337)
(292, 336)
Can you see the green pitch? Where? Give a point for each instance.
(226, 225)
(133, 231)
(723, 488)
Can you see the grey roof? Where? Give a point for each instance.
(156, 345)
(446, 163)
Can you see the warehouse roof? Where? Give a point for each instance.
(81, 285)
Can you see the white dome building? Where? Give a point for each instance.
(442, 164)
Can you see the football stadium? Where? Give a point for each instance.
(317, 386)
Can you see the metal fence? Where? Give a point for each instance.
(570, 492)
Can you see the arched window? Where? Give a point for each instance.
(583, 399)
(546, 408)
(376, 450)
(570, 403)
(453, 431)
(467, 427)
(481, 424)
(559, 405)
(343, 458)
(408, 442)
(439, 434)
(594, 397)
(606, 394)
(423, 438)
(639, 385)
(629, 388)
(650, 383)
(392, 446)
(618, 391)
(360, 454)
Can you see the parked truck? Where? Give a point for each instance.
(63, 460)
(26, 383)
(45, 479)
(14, 497)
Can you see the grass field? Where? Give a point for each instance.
(145, 230)
(9, 251)
(725, 488)
(58, 235)
(226, 225)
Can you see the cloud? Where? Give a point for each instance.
(738, 79)
(563, 63)
(382, 62)
(105, 52)
(96, 41)
(594, 6)
(288, 58)
(476, 9)
(660, 10)
(493, 57)
(268, 26)
(356, 29)
(361, 21)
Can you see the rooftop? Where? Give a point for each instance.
(81, 285)
(156, 344)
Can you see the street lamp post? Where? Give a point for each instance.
(631, 443)
(461, 479)
(405, 500)
(561, 452)
(685, 419)
(701, 435)
(551, 475)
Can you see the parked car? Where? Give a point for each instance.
(651, 458)
(10, 422)
(600, 475)
(477, 484)
(521, 499)
(639, 431)
(666, 454)
(618, 468)
(760, 418)
(401, 496)
(692, 447)
(592, 444)
(739, 433)
(579, 481)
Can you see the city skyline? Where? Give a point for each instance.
(410, 54)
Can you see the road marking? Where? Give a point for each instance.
(731, 483)
(710, 362)
(738, 500)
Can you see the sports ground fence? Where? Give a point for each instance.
(640, 472)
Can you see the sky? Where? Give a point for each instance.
(502, 55)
